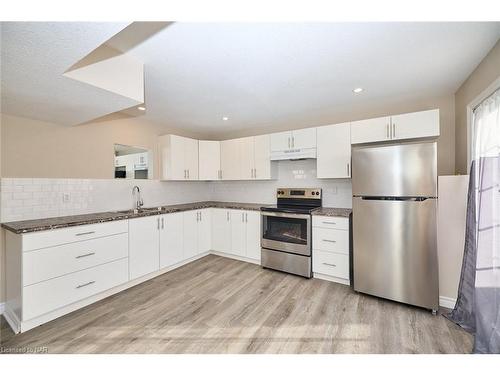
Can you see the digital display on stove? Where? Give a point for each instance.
(297, 192)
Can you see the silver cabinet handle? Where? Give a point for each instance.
(158, 223)
(387, 128)
(188, 174)
(84, 233)
(200, 216)
(393, 130)
(332, 241)
(246, 217)
(162, 223)
(227, 215)
(293, 141)
(242, 217)
(329, 222)
(330, 264)
(86, 284)
(84, 255)
(184, 174)
(348, 169)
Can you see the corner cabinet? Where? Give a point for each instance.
(178, 158)
(423, 124)
(247, 159)
(334, 151)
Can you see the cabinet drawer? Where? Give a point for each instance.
(331, 222)
(46, 296)
(39, 240)
(332, 264)
(44, 264)
(332, 240)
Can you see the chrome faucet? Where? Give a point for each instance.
(138, 200)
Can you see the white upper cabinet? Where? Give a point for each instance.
(144, 246)
(209, 160)
(230, 156)
(415, 125)
(371, 130)
(334, 151)
(263, 168)
(247, 159)
(293, 144)
(178, 157)
(421, 124)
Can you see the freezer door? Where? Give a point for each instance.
(395, 251)
(395, 170)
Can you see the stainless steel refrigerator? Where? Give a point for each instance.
(394, 222)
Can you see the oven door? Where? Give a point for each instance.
(286, 232)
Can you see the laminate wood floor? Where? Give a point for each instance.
(220, 305)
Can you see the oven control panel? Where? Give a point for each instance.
(304, 193)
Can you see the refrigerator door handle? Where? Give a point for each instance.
(397, 199)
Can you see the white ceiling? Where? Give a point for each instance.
(257, 74)
(34, 56)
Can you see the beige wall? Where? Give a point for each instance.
(446, 105)
(32, 148)
(485, 73)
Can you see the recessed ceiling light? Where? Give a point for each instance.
(225, 118)
(357, 90)
(141, 108)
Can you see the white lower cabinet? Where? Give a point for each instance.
(197, 232)
(144, 245)
(330, 256)
(236, 232)
(171, 239)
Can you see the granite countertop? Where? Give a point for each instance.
(37, 225)
(331, 211)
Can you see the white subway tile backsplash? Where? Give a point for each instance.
(34, 198)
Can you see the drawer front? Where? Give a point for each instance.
(332, 264)
(44, 264)
(331, 222)
(47, 296)
(39, 240)
(332, 240)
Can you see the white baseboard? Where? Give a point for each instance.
(447, 302)
(236, 257)
(2, 307)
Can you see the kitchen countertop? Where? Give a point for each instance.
(37, 225)
(331, 211)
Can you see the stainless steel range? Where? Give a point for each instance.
(286, 231)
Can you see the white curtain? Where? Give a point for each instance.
(486, 155)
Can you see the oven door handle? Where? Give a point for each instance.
(284, 214)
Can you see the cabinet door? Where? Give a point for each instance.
(209, 160)
(172, 157)
(262, 157)
(204, 230)
(144, 246)
(247, 160)
(171, 239)
(238, 233)
(230, 159)
(304, 138)
(281, 141)
(221, 229)
(252, 221)
(334, 151)
(190, 236)
(415, 125)
(191, 158)
(371, 130)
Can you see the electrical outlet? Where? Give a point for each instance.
(66, 197)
